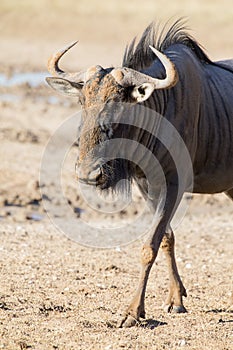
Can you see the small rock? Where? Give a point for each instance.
(34, 216)
(182, 342)
(188, 266)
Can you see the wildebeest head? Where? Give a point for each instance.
(105, 95)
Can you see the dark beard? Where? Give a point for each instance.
(116, 176)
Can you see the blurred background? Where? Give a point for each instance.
(31, 30)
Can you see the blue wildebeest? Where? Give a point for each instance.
(170, 74)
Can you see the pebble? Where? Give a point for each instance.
(182, 342)
(34, 216)
(188, 266)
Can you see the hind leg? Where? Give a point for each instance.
(230, 193)
(174, 300)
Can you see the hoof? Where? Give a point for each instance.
(177, 309)
(128, 321)
(131, 317)
(180, 309)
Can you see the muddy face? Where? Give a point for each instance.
(102, 110)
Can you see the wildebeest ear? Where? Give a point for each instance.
(65, 86)
(142, 92)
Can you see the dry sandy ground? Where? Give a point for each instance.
(55, 293)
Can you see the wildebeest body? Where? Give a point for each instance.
(186, 89)
(200, 106)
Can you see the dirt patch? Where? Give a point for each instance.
(55, 293)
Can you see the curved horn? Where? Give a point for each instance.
(130, 77)
(171, 72)
(54, 69)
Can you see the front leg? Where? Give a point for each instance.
(149, 253)
(136, 309)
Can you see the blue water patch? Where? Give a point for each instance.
(32, 78)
